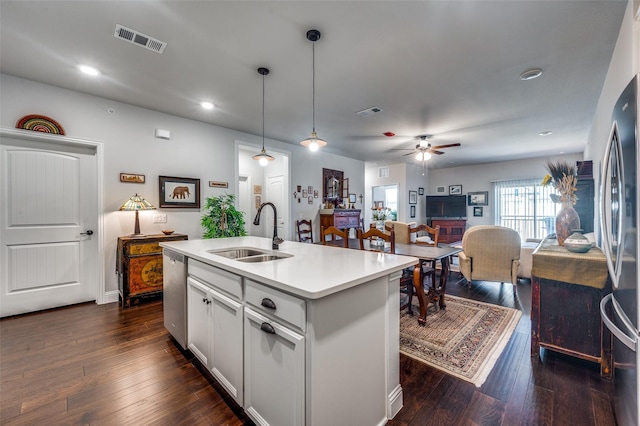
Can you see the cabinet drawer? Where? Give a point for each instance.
(227, 282)
(287, 308)
(348, 214)
(144, 248)
(341, 222)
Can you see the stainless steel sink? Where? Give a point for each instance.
(248, 254)
(263, 258)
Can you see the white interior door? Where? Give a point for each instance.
(275, 193)
(49, 204)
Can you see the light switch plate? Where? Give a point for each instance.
(159, 218)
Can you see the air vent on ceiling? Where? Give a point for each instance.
(369, 111)
(136, 37)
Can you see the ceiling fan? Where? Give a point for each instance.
(424, 150)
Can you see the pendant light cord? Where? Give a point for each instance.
(313, 73)
(263, 112)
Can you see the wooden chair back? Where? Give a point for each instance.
(434, 234)
(334, 232)
(374, 232)
(305, 230)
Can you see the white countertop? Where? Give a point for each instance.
(314, 271)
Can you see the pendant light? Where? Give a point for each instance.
(314, 142)
(263, 158)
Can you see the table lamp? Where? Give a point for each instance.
(137, 203)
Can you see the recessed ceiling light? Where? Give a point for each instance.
(531, 74)
(207, 105)
(546, 133)
(88, 70)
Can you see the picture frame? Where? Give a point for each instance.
(413, 197)
(478, 198)
(378, 204)
(310, 199)
(179, 192)
(315, 193)
(455, 189)
(310, 189)
(440, 189)
(257, 189)
(304, 193)
(412, 211)
(420, 191)
(258, 201)
(215, 184)
(477, 211)
(352, 198)
(131, 178)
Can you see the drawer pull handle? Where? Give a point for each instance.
(267, 328)
(268, 303)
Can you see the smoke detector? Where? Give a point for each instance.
(136, 37)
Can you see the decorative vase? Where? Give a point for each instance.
(567, 220)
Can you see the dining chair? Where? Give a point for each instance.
(374, 232)
(334, 232)
(305, 230)
(431, 238)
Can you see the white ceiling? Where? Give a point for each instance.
(446, 68)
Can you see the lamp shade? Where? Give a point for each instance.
(137, 203)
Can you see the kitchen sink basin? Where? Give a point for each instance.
(248, 254)
(263, 258)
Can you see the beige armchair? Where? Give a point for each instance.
(490, 253)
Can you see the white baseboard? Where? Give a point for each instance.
(111, 297)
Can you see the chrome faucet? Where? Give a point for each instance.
(276, 240)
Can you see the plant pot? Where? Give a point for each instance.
(567, 220)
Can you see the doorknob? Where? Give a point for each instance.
(89, 232)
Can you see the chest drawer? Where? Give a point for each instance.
(277, 304)
(143, 248)
(229, 283)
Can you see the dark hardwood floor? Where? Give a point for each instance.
(101, 365)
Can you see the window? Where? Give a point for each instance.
(525, 205)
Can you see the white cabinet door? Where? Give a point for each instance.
(198, 302)
(226, 344)
(274, 372)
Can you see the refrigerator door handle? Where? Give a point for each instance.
(630, 342)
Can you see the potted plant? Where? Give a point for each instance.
(222, 219)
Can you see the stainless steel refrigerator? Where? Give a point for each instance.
(619, 221)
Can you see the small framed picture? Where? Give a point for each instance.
(310, 189)
(413, 197)
(440, 189)
(310, 200)
(413, 211)
(352, 198)
(179, 192)
(257, 189)
(455, 189)
(478, 198)
(131, 178)
(258, 201)
(315, 193)
(298, 188)
(304, 193)
(420, 191)
(214, 184)
(477, 211)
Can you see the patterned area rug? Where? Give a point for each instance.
(464, 340)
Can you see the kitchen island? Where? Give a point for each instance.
(311, 338)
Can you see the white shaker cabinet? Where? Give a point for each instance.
(215, 319)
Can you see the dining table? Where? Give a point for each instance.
(426, 253)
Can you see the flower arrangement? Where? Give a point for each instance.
(380, 213)
(563, 178)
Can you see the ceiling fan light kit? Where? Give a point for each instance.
(263, 158)
(313, 142)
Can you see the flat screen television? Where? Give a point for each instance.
(451, 206)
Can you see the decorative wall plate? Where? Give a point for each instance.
(40, 123)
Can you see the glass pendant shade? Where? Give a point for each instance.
(314, 142)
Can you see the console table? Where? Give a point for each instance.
(451, 230)
(566, 290)
(139, 267)
(341, 219)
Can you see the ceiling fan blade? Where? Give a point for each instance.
(433, 151)
(445, 146)
(410, 153)
(402, 149)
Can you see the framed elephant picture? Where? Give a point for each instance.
(178, 192)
